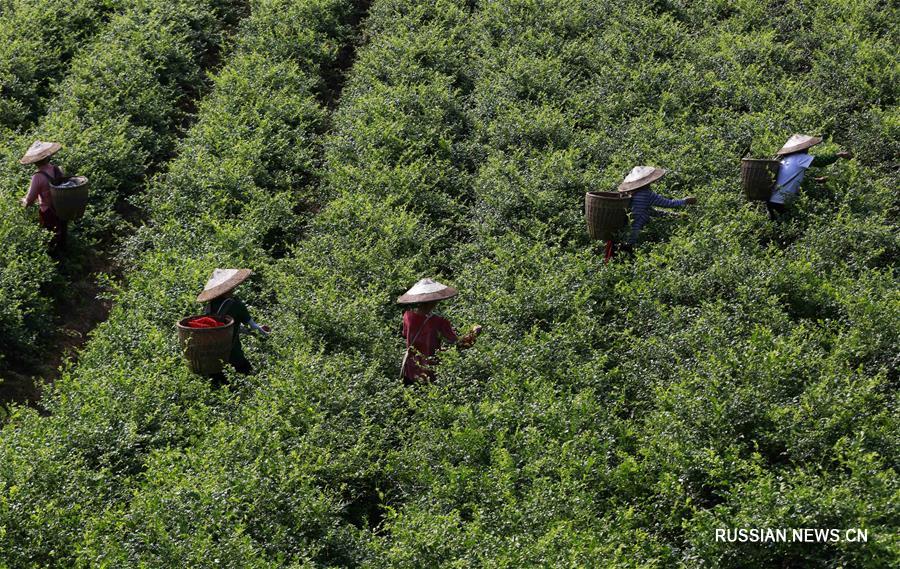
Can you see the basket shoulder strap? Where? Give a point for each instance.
(50, 179)
(419, 331)
(57, 174)
(223, 308)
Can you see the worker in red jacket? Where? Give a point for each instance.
(425, 331)
(47, 173)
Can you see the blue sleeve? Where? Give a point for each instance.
(658, 200)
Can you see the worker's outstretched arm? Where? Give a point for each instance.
(820, 160)
(32, 194)
(659, 212)
(263, 329)
(659, 201)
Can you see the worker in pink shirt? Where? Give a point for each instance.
(425, 331)
(39, 154)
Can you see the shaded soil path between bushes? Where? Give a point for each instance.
(335, 77)
(77, 309)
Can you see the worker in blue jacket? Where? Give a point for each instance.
(795, 160)
(644, 201)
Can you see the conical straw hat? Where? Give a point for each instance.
(223, 281)
(427, 290)
(798, 142)
(40, 150)
(641, 176)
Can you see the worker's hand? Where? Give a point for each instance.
(266, 329)
(821, 179)
(476, 330)
(845, 154)
(467, 340)
(690, 200)
(24, 202)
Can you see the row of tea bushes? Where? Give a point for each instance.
(109, 477)
(397, 170)
(117, 115)
(37, 41)
(729, 374)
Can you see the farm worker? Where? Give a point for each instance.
(424, 330)
(39, 154)
(219, 300)
(644, 200)
(795, 160)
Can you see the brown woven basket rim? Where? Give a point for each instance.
(83, 181)
(610, 195)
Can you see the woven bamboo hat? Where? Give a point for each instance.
(798, 142)
(40, 150)
(427, 290)
(223, 281)
(641, 176)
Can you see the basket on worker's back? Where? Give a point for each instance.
(606, 213)
(758, 178)
(206, 349)
(70, 197)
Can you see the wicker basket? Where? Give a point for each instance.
(69, 203)
(206, 349)
(758, 178)
(606, 214)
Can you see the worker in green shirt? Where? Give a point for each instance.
(218, 295)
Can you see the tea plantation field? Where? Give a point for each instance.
(734, 372)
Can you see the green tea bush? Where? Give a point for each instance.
(733, 373)
(37, 42)
(26, 265)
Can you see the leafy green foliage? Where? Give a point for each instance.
(725, 360)
(733, 373)
(37, 41)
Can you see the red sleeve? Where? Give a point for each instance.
(446, 330)
(34, 189)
